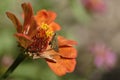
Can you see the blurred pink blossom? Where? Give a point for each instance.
(104, 57)
(6, 61)
(94, 5)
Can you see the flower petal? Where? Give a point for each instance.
(15, 21)
(33, 28)
(69, 64)
(58, 69)
(44, 16)
(52, 16)
(23, 40)
(41, 17)
(28, 13)
(64, 42)
(68, 52)
(62, 65)
(55, 26)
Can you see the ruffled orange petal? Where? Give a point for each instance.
(52, 16)
(64, 42)
(69, 64)
(58, 69)
(62, 65)
(15, 21)
(68, 52)
(41, 17)
(62, 62)
(28, 13)
(44, 16)
(23, 40)
(55, 26)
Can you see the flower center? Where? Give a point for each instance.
(46, 30)
(41, 39)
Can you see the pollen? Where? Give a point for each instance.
(44, 26)
(49, 33)
(45, 30)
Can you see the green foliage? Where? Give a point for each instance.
(7, 41)
(79, 11)
(34, 70)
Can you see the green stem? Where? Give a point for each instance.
(18, 60)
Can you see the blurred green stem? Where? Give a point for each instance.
(18, 60)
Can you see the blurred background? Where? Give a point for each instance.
(94, 24)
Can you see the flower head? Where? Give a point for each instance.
(94, 5)
(104, 57)
(38, 37)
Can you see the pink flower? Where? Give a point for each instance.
(94, 5)
(104, 57)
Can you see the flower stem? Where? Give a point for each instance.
(18, 60)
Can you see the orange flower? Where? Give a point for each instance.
(37, 36)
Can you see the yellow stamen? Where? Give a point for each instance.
(47, 29)
(49, 33)
(44, 26)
